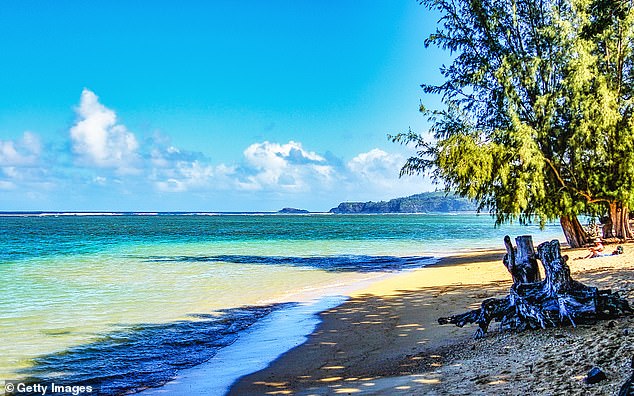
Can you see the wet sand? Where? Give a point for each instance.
(386, 339)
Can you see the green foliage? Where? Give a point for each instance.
(538, 118)
(430, 202)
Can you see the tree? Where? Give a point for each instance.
(518, 134)
(608, 33)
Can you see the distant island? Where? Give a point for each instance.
(292, 211)
(418, 203)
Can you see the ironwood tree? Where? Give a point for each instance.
(537, 122)
(602, 108)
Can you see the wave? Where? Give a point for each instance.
(146, 355)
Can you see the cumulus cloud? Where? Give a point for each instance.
(23, 152)
(377, 172)
(164, 155)
(376, 163)
(161, 158)
(20, 162)
(288, 167)
(274, 167)
(186, 176)
(111, 155)
(98, 139)
(28, 175)
(176, 170)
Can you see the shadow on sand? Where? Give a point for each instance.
(393, 345)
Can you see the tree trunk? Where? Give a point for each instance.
(521, 261)
(618, 225)
(607, 228)
(557, 300)
(575, 235)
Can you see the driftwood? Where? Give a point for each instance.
(532, 303)
(521, 262)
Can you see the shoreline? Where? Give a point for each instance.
(207, 378)
(385, 338)
(255, 349)
(269, 338)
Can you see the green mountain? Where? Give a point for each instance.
(437, 202)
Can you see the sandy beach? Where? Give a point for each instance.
(386, 340)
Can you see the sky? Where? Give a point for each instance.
(210, 105)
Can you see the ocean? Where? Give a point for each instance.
(128, 302)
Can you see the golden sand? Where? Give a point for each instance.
(386, 339)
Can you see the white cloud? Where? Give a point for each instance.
(157, 158)
(376, 176)
(177, 170)
(24, 152)
(283, 168)
(20, 164)
(376, 163)
(186, 176)
(168, 156)
(286, 167)
(34, 177)
(268, 172)
(98, 139)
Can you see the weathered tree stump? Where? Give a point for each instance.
(521, 262)
(533, 303)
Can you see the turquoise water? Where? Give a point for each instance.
(127, 301)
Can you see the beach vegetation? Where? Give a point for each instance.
(537, 119)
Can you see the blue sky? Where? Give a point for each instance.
(209, 105)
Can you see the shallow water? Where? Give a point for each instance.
(80, 293)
